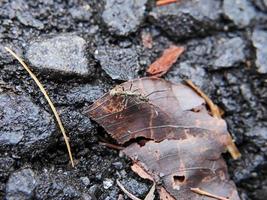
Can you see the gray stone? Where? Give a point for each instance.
(107, 183)
(261, 4)
(118, 63)
(85, 180)
(64, 55)
(79, 127)
(84, 94)
(251, 163)
(5, 57)
(118, 165)
(258, 135)
(24, 127)
(187, 18)
(81, 13)
(123, 16)
(241, 12)
(229, 53)
(27, 19)
(186, 70)
(259, 40)
(6, 166)
(248, 96)
(58, 184)
(21, 185)
(135, 187)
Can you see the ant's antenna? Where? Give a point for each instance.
(155, 92)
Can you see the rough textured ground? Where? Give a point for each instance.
(80, 49)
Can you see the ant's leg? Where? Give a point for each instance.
(125, 102)
(135, 101)
(131, 86)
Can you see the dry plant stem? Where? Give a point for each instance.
(149, 196)
(215, 111)
(165, 2)
(48, 100)
(202, 192)
(131, 196)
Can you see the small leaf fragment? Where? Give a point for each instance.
(165, 2)
(164, 63)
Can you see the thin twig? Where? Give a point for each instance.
(202, 192)
(48, 100)
(150, 195)
(131, 196)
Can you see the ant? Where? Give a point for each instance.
(120, 91)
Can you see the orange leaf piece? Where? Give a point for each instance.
(165, 2)
(164, 63)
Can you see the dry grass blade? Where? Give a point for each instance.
(48, 100)
(202, 192)
(215, 111)
(131, 196)
(151, 195)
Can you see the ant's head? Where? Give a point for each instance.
(118, 89)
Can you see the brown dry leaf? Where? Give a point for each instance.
(164, 63)
(184, 164)
(185, 141)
